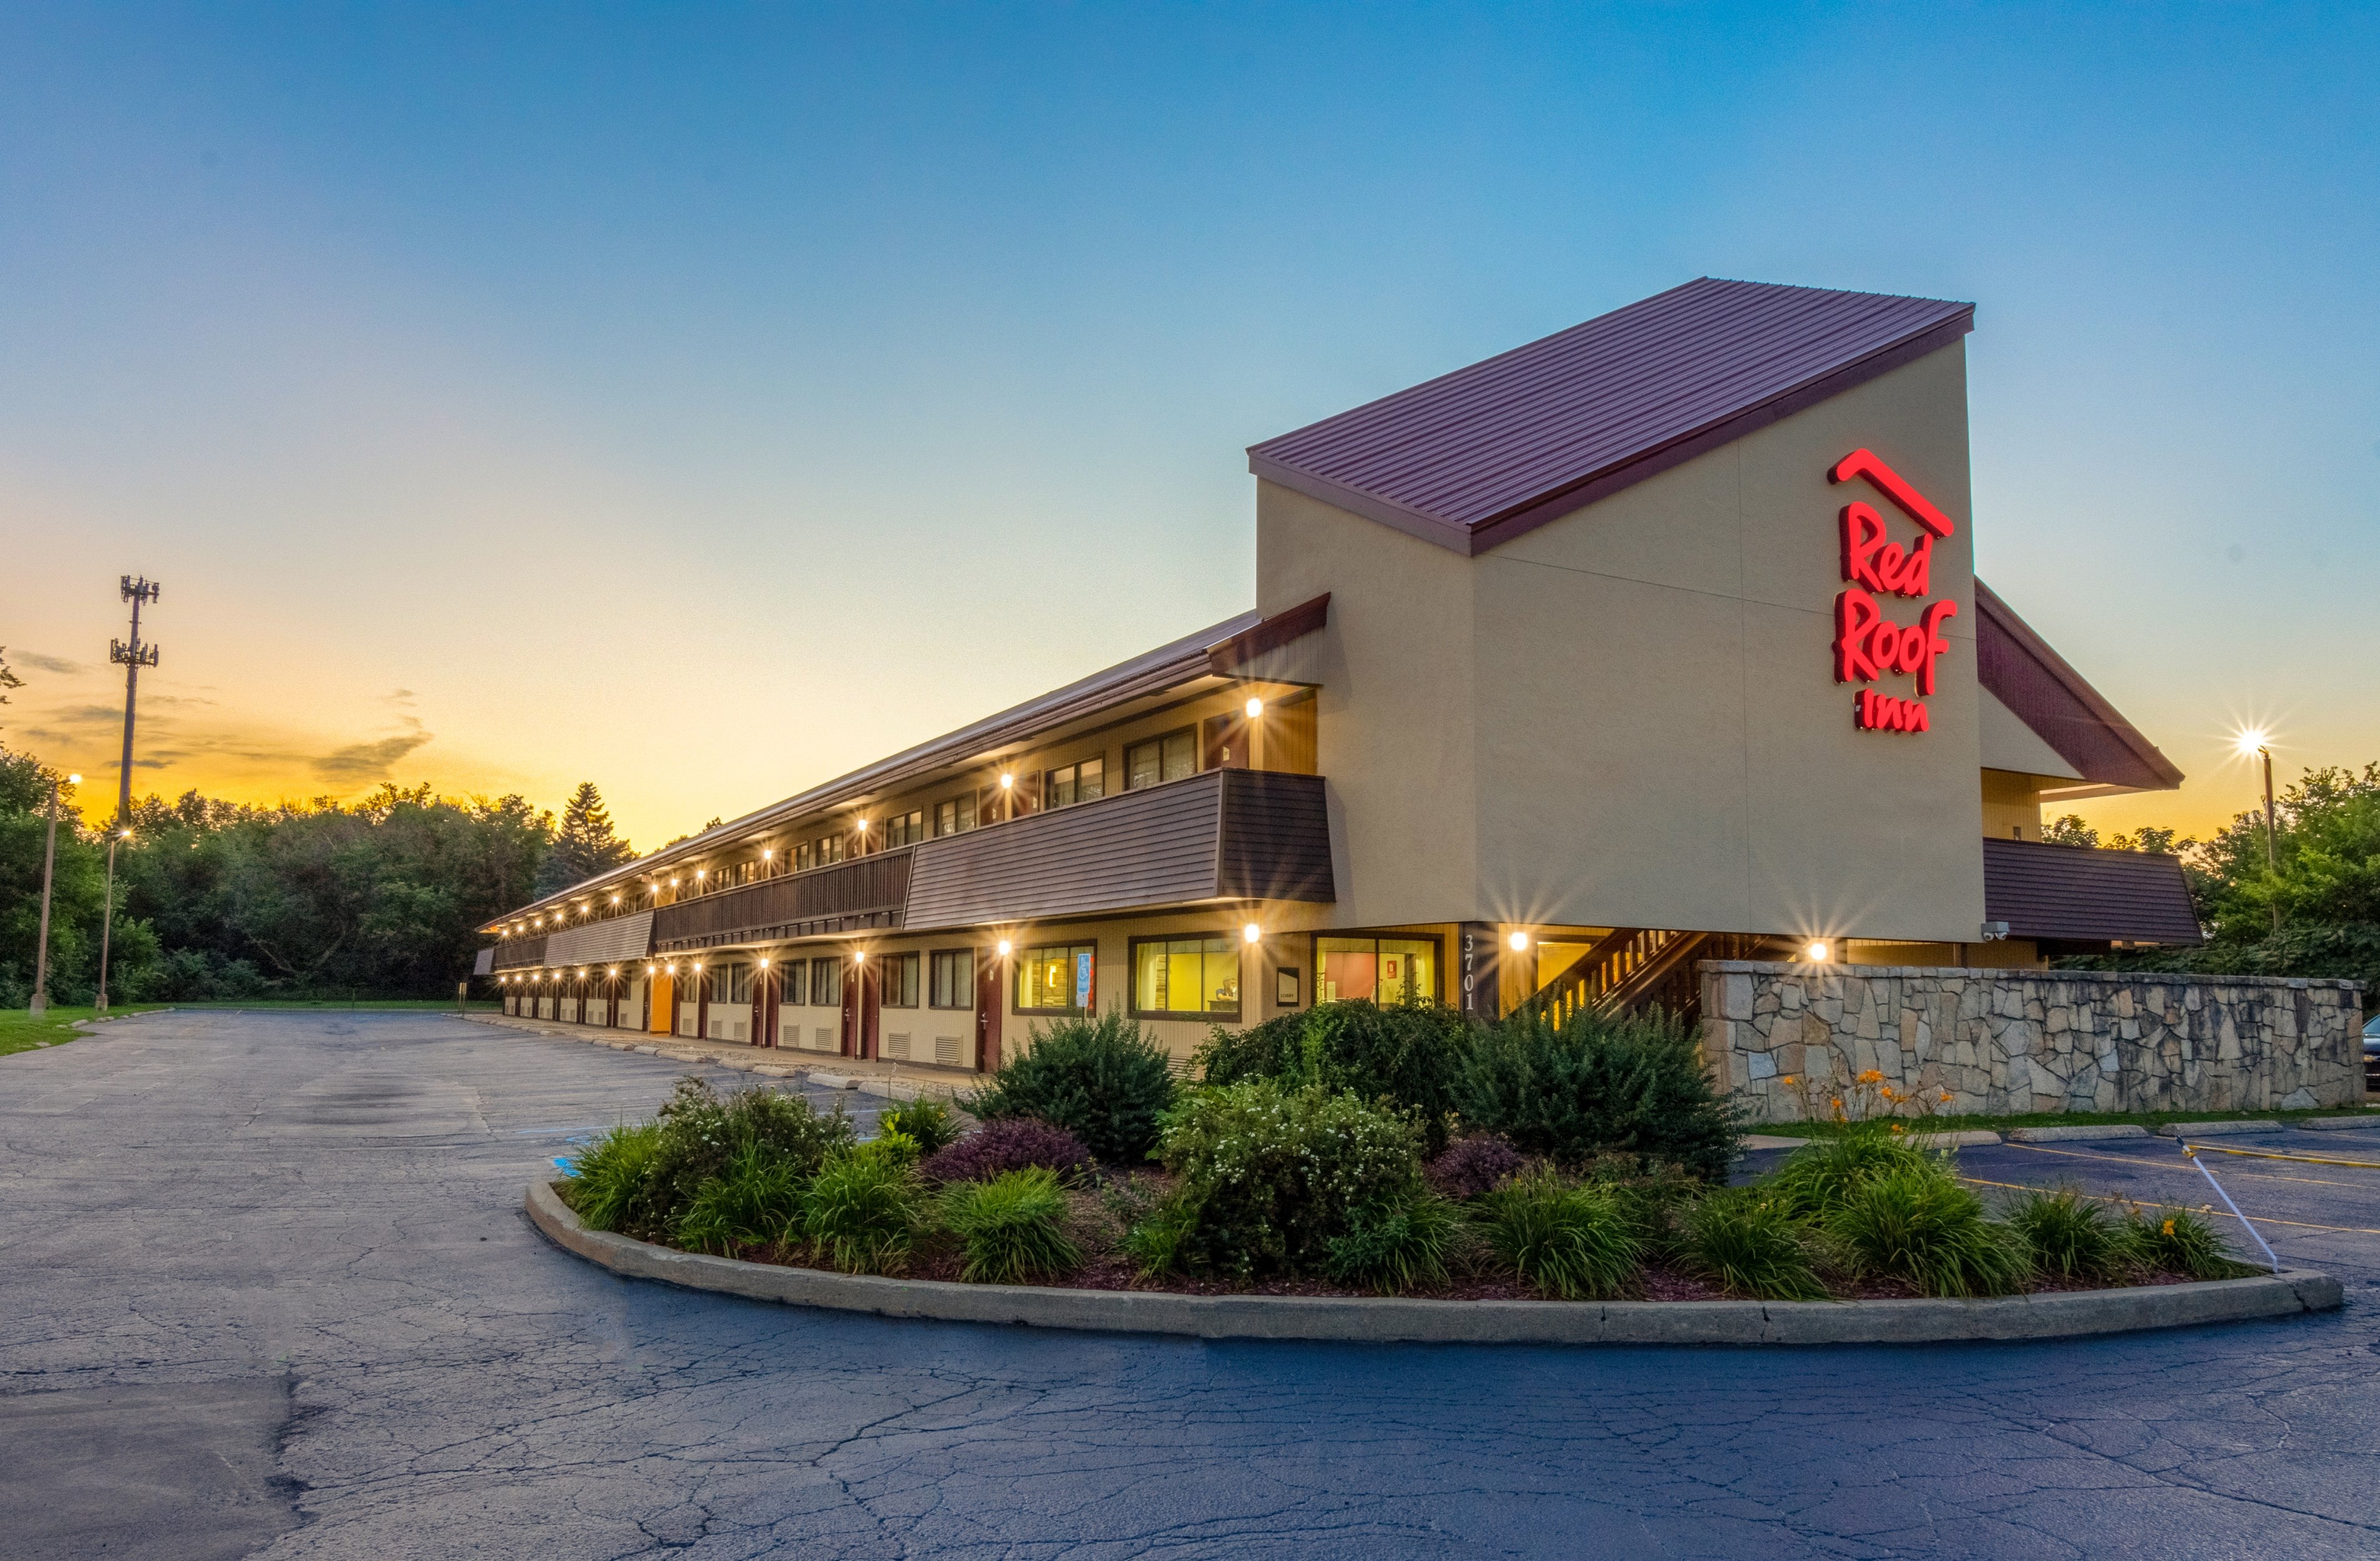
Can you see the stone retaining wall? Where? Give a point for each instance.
(1788, 1036)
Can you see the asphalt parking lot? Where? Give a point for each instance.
(266, 1289)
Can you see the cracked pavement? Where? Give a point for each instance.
(265, 1289)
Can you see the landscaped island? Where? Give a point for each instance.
(1356, 1150)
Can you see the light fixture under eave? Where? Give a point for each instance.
(1004, 946)
(859, 956)
(1518, 942)
(1006, 781)
(1256, 709)
(1818, 951)
(1252, 933)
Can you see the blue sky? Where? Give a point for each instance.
(496, 388)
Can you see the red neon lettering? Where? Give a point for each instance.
(1930, 626)
(1862, 534)
(1872, 711)
(1856, 617)
(1864, 463)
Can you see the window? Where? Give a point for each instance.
(730, 983)
(899, 979)
(1185, 977)
(956, 816)
(795, 974)
(802, 858)
(1072, 783)
(1057, 978)
(904, 829)
(1385, 970)
(953, 979)
(1170, 757)
(826, 984)
(829, 850)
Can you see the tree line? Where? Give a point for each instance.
(218, 899)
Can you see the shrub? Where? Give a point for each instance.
(1012, 1226)
(862, 1212)
(1392, 1247)
(1469, 1167)
(929, 1124)
(1633, 1084)
(1154, 1242)
(2070, 1236)
(1820, 1176)
(1917, 1223)
(756, 1203)
(1103, 1080)
(1568, 1241)
(1009, 1144)
(701, 1132)
(1404, 1056)
(2177, 1240)
(606, 1179)
(1748, 1243)
(1269, 1176)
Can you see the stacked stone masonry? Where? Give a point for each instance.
(1791, 1037)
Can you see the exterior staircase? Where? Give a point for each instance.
(1634, 967)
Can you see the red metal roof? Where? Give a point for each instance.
(1477, 456)
(2045, 692)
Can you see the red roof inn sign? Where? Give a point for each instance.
(1868, 644)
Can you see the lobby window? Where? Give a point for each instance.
(898, 973)
(1385, 970)
(1066, 786)
(795, 974)
(956, 816)
(1173, 757)
(952, 982)
(1185, 978)
(1057, 978)
(826, 984)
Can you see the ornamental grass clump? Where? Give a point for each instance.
(608, 1178)
(1013, 1227)
(1573, 1242)
(1403, 1056)
(1009, 1144)
(757, 1203)
(1919, 1224)
(1631, 1083)
(1470, 1167)
(1389, 1247)
(929, 1124)
(1269, 1176)
(1820, 1176)
(1747, 1243)
(862, 1211)
(702, 1133)
(1103, 1080)
(2071, 1236)
(2177, 1241)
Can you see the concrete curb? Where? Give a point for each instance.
(2210, 1130)
(2077, 1134)
(2334, 1124)
(774, 1064)
(1965, 1138)
(1386, 1321)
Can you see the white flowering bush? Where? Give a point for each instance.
(1271, 1176)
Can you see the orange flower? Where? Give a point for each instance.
(2169, 1227)
(1897, 1128)
(1872, 1076)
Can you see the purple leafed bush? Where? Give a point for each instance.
(1469, 1167)
(1009, 1144)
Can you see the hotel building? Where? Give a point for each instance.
(1652, 642)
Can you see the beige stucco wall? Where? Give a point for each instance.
(1629, 717)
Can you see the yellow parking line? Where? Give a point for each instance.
(2170, 1165)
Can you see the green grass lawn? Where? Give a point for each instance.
(20, 1030)
(2149, 1120)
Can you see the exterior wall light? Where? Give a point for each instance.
(1819, 951)
(1006, 781)
(1004, 948)
(863, 826)
(1252, 933)
(697, 967)
(1518, 942)
(859, 956)
(649, 970)
(764, 961)
(672, 967)
(766, 853)
(1256, 709)
(700, 873)
(673, 883)
(615, 896)
(614, 972)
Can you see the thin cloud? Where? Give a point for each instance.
(369, 761)
(58, 664)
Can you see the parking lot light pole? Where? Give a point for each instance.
(49, 868)
(107, 918)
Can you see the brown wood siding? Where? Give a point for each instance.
(514, 953)
(1154, 846)
(1276, 841)
(851, 889)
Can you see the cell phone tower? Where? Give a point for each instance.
(131, 657)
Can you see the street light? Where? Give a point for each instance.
(41, 1003)
(2257, 744)
(107, 918)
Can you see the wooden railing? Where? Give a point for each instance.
(848, 892)
(1644, 967)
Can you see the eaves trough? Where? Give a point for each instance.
(1384, 1320)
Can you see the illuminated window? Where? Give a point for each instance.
(1057, 978)
(1185, 977)
(1385, 970)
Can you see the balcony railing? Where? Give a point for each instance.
(863, 893)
